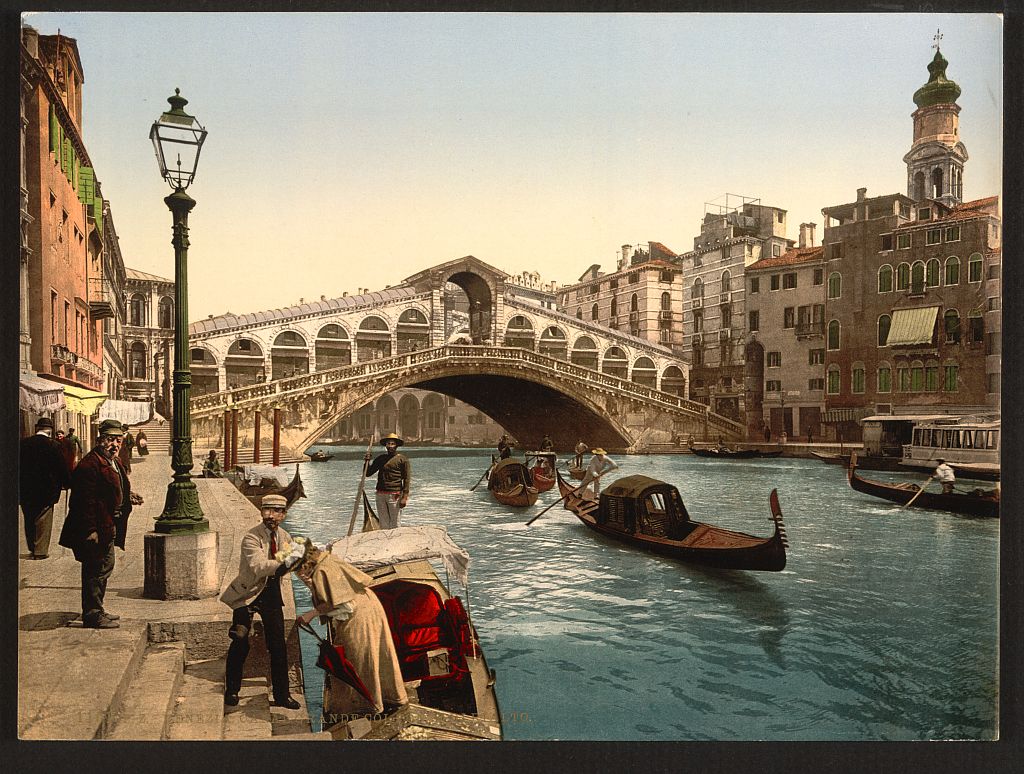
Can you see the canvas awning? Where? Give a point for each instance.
(370, 550)
(38, 395)
(912, 326)
(82, 401)
(840, 415)
(129, 412)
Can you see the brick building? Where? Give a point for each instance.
(913, 283)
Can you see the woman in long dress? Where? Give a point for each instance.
(343, 599)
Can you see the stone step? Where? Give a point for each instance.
(198, 712)
(145, 711)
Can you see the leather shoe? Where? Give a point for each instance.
(231, 699)
(288, 703)
(101, 623)
(111, 616)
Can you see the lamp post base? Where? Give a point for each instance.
(181, 566)
(182, 513)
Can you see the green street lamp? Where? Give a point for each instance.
(178, 138)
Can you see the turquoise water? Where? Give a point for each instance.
(883, 626)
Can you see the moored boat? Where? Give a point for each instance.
(650, 514)
(255, 481)
(542, 470)
(450, 687)
(724, 452)
(320, 456)
(977, 502)
(511, 483)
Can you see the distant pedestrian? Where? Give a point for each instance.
(142, 443)
(581, 449)
(43, 475)
(124, 454)
(599, 465)
(394, 478)
(267, 554)
(767, 433)
(101, 501)
(810, 436)
(944, 475)
(783, 438)
(72, 449)
(211, 466)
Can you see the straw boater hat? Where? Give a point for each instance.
(392, 437)
(111, 427)
(598, 450)
(273, 501)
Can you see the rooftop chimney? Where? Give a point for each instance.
(807, 234)
(862, 194)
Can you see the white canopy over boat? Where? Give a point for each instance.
(255, 473)
(380, 548)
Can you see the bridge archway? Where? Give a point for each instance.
(373, 339)
(386, 415)
(584, 353)
(615, 362)
(289, 355)
(553, 343)
(409, 417)
(645, 373)
(244, 363)
(519, 332)
(204, 371)
(332, 348)
(481, 302)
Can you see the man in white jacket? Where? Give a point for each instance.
(266, 555)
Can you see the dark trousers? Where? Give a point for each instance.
(38, 526)
(273, 632)
(95, 572)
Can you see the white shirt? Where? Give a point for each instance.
(944, 474)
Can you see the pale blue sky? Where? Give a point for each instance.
(353, 150)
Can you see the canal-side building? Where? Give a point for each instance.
(62, 237)
(785, 352)
(913, 283)
(733, 235)
(149, 339)
(109, 298)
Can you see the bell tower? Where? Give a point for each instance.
(935, 162)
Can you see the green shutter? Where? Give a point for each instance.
(54, 132)
(66, 159)
(97, 211)
(74, 169)
(86, 186)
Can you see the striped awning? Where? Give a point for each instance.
(913, 326)
(839, 415)
(82, 401)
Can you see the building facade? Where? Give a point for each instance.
(109, 294)
(913, 283)
(148, 341)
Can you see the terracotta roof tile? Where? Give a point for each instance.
(791, 257)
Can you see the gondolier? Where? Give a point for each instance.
(944, 475)
(581, 449)
(394, 475)
(599, 465)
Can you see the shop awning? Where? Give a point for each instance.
(82, 401)
(912, 326)
(839, 415)
(38, 395)
(130, 412)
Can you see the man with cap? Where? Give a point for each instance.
(42, 477)
(266, 555)
(394, 475)
(599, 465)
(504, 448)
(101, 501)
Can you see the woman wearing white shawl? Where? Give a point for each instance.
(342, 598)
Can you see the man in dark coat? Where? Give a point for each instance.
(43, 475)
(101, 501)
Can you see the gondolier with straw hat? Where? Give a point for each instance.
(599, 465)
(394, 475)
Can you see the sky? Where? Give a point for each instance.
(350, 151)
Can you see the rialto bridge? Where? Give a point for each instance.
(532, 369)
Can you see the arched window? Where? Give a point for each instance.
(917, 278)
(975, 327)
(974, 265)
(885, 279)
(666, 302)
(951, 322)
(857, 378)
(614, 309)
(137, 310)
(884, 377)
(903, 276)
(726, 281)
(833, 334)
(931, 274)
(833, 380)
(950, 375)
(137, 361)
(952, 270)
(165, 313)
(931, 376)
(698, 289)
(835, 285)
(579, 313)
(919, 186)
(884, 323)
(593, 311)
(634, 303)
(916, 376)
(936, 183)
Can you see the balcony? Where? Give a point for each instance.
(816, 328)
(665, 314)
(101, 298)
(61, 354)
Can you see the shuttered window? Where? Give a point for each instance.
(54, 133)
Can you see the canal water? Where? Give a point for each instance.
(883, 626)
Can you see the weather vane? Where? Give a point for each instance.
(937, 38)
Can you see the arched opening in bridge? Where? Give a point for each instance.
(373, 339)
(413, 331)
(673, 381)
(519, 332)
(409, 417)
(289, 355)
(333, 348)
(433, 418)
(645, 373)
(204, 371)
(481, 302)
(387, 415)
(615, 363)
(553, 343)
(584, 353)
(363, 422)
(244, 364)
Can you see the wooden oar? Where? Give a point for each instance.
(911, 500)
(556, 502)
(359, 494)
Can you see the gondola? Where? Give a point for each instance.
(577, 473)
(871, 462)
(511, 483)
(725, 453)
(269, 483)
(979, 502)
(320, 456)
(451, 688)
(650, 514)
(543, 469)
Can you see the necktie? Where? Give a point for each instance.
(273, 543)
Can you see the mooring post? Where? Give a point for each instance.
(256, 438)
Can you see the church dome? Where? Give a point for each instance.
(939, 90)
